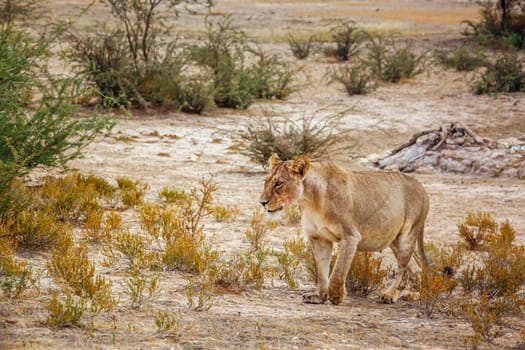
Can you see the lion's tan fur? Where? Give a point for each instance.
(361, 211)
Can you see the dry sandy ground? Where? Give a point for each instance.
(274, 317)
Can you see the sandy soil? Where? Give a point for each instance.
(174, 149)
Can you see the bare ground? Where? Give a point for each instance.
(172, 149)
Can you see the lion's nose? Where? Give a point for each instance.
(263, 202)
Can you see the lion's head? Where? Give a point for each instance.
(284, 183)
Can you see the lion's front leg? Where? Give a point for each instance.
(336, 288)
(322, 250)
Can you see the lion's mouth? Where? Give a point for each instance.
(274, 210)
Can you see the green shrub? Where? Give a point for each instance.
(226, 52)
(300, 48)
(348, 38)
(506, 26)
(356, 79)
(133, 65)
(312, 136)
(61, 134)
(505, 74)
(462, 58)
(391, 63)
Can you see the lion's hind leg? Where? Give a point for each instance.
(403, 248)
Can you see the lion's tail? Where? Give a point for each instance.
(448, 270)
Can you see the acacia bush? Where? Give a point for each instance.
(240, 71)
(133, 65)
(504, 26)
(505, 74)
(390, 62)
(61, 134)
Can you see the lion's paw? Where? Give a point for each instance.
(336, 294)
(314, 298)
(389, 298)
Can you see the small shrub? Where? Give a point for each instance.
(225, 53)
(295, 253)
(172, 195)
(391, 63)
(506, 74)
(485, 315)
(188, 254)
(348, 38)
(199, 293)
(504, 26)
(136, 286)
(271, 78)
(132, 247)
(356, 79)
(434, 283)
(15, 276)
(462, 58)
(61, 135)
(132, 191)
(149, 216)
(168, 325)
(259, 229)
(65, 313)
(366, 274)
(93, 225)
(71, 266)
(300, 48)
(38, 229)
(132, 65)
(223, 214)
(476, 229)
(312, 136)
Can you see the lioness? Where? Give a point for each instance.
(362, 211)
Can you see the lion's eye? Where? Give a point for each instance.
(278, 185)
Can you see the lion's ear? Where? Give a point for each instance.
(300, 166)
(274, 161)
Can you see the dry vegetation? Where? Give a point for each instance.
(156, 241)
